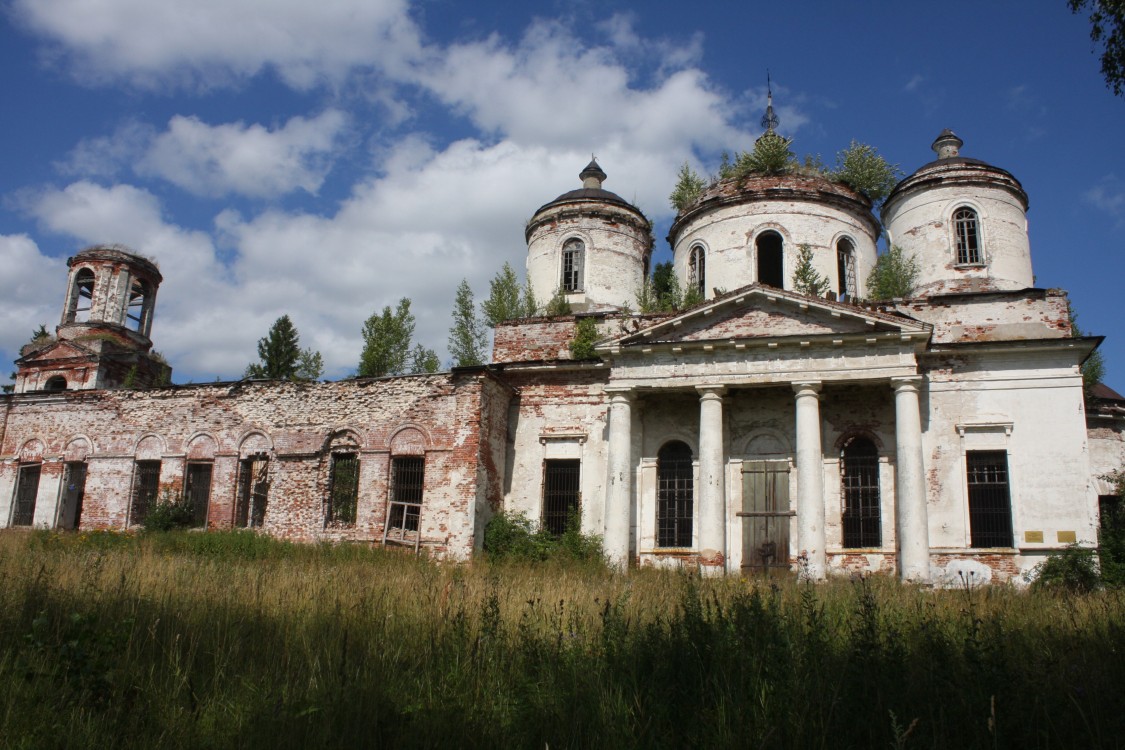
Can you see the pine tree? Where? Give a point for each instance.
(806, 280)
(386, 341)
(894, 275)
(689, 186)
(468, 337)
(281, 358)
(504, 301)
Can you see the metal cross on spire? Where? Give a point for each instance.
(770, 121)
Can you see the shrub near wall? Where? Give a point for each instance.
(160, 640)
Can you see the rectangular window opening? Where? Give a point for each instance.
(146, 485)
(253, 491)
(27, 488)
(990, 503)
(408, 479)
(197, 490)
(343, 490)
(561, 493)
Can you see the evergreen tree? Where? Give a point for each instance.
(468, 337)
(504, 300)
(894, 275)
(806, 280)
(666, 287)
(386, 341)
(281, 358)
(688, 188)
(585, 336)
(861, 168)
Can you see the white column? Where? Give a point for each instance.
(810, 481)
(712, 478)
(910, 484)
(619, 483)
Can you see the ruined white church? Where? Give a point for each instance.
(941, 437)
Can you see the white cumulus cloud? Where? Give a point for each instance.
(217, 42)
(214, 160)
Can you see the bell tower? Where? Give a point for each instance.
(102, 340)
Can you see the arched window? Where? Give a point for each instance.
(697, 270)
(675, 503)
(572, 260)
(56, 383)
(966, 230)
(82, 297)
(770, 260)
(859, 472)
(136, 314)
(845, 269)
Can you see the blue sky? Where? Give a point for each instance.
(324, 159)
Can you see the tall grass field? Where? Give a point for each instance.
(230, 640)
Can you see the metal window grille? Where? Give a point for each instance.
(27, 487)
(253, 491)
(965, 228)
(675, 504)
(572, 266)
(343, 489)
(408, 480)
(990, 503)
(698, 270)
(146, 483)
(561, 493)
(859, 476)
(197, 491)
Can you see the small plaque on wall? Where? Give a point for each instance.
(1067, 537)
(1033, 537)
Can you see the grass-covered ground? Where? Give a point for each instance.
(234, 640)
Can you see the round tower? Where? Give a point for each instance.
(750, 230)
(590, 245)
(102, 340)
(964, 221)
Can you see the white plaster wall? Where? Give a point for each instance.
(616, 247)
(1031, 407)
(921, 223)
(728, 236)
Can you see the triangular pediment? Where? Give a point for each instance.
(761, 312)
(59, 350)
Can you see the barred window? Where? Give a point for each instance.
(966, 230)
(675, 502)
(990, 503)
(27, 488)
(573, 255)
(197, 490)
(697, 271)
(253, 491)
(408, 481)
(859, 475)
(146, 484)
(561, 492)
(343, 489)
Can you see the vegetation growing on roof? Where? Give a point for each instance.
(894, 275)
(806, 279)
(860, 167)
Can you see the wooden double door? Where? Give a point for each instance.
(765, 516)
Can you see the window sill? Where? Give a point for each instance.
(969, 266)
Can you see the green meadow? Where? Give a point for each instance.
(216, 640)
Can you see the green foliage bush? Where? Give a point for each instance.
(585, 336)
(861, 168)
(689, 186)
(894, 275)
(169, 513)
(513, 537)
(1072, 571)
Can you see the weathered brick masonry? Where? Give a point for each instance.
(455, 422)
